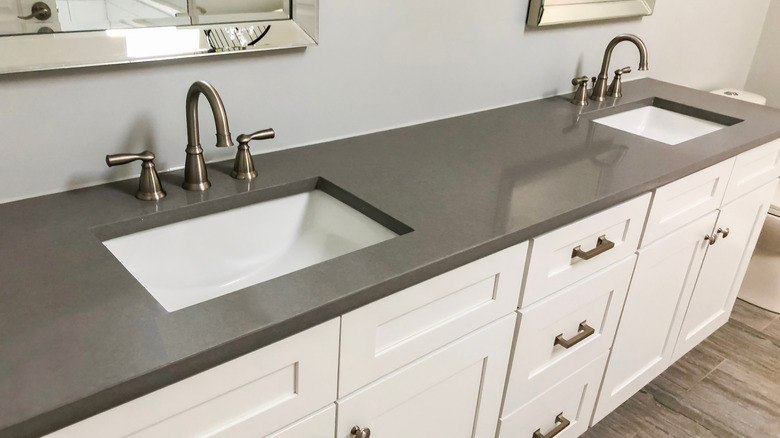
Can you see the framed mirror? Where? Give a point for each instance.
(556, 12)
(53, 34)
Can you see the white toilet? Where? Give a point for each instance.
(762, 281)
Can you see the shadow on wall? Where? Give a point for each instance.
(139, 138)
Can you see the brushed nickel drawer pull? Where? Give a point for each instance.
(561, 423)
(603, 245)
(584, 332)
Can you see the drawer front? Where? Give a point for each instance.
(679, 203)
(558, 335)
(571, 400)
(753, 169)
(553, 264)
(254, 395)
(394, 331)
(321, 424)
(454, 392)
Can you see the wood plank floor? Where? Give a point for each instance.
(728, 386)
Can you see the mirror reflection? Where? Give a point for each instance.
(19, 17)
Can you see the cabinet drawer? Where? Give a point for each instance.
(394, 331)
(540, 361)
(254, 395)
(321, 424)
(753, 169)
(573, 399)
(553, 264)
(454, 392)
(679, 203)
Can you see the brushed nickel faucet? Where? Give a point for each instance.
(600, 87)
(195, 176)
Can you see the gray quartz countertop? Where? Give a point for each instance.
(79, 335)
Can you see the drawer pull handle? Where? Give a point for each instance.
(584, 332)
(561, 423)
(360, 432)
(603, 245)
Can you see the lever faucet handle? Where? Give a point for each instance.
(581, 95)
(616, 87)
(149, 187)
(243, 166)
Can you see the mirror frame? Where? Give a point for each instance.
(37, 52)
(541, 13)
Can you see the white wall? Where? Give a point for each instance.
(764, 75)
(381, 64)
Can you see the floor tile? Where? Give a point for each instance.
(735, 401)
(690, 369)
(752, 316)
(773, 329)
(747, 347)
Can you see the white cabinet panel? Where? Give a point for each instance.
(321, 424)
(663, 281)
(569, 400)
(553, 263)
(753, 169)
(685, 200)
(454, 392)
(254, 395)
(540, 361)
(724, 267)
(385, 335)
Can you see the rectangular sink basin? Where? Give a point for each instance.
(188, 262)
(664, 124)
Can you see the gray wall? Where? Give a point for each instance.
(380, 65)
(764, 75)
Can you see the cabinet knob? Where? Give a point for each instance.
(40, 11)
(711, 239)
(360, 432)
(724, 233)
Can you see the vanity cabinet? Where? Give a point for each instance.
(686, 281)
(543, 338)
(738, 227)
(663, 281)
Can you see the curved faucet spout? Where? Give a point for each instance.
(217, 108)
(600, 87)
(195, 175)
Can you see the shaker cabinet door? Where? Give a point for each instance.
(454, 392)
(663, 281)
(737, 230)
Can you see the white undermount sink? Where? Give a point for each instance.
(660, 124)
(195, 260)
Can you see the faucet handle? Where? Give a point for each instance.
(582, 80)
(616, 87)
(581, 95)
(149, 187)
(243, 166)
(622, 71)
